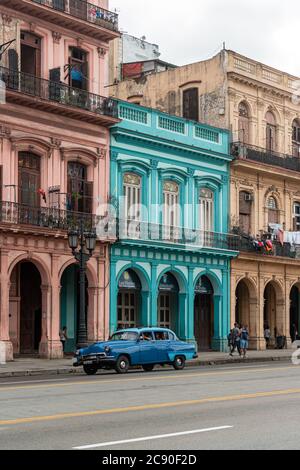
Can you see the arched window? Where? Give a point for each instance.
(170, 209)
(29, 175)
(273, 216)
(270, 132)
(206, 210)
(80, 190)
(245, 206)
(244, 126)
(132, 194)
(296, 138)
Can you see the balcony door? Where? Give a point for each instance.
(80, 190)
(30, 54)
(171, 210)
(296, 138)
(29, 169)
(270, 132)
(78, 8)
(206, 210)
(245, 211)
(132, 195)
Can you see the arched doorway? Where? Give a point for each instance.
(25, 308)
(296, 138)
(69, 305)
(270, 310)
(129, 300)
(167, 304)
(244, 123)
(242, 306)
(294, 312)
(204, 313)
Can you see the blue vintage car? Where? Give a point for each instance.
(135, 346)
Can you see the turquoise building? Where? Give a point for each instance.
(170, 265)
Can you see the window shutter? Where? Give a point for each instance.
(84, 71)
(88, 197)
(54, 90)
(191, 104)
(59, 5)
(13, 60)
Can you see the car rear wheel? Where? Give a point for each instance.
(148, 367)
(90, 370)
(122, 365)
(179, 363)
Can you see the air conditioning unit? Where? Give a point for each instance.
(248, 197)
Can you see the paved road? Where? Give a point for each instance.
(230, 407)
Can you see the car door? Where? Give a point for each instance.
(162, 343)
(147, 349)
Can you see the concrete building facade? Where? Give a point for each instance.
(54, 169)
(260, 106)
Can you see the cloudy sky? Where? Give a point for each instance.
(192, 30)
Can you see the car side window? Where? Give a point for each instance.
(172, 337)
(161, 335)
(146, 336)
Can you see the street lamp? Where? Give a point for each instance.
(87, 242)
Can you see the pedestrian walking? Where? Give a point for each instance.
(235, 341)
(267, 336)
(244, 341)
(63, 337)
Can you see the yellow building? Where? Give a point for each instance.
(261, 107)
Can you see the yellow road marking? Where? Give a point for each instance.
(154, 406)
(142, 378)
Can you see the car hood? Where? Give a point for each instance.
(99, 347)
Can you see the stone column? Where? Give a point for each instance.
(189, 319)
(153, 296)
(50, 345)
(6, 347)
(261, 343)
(92, 314)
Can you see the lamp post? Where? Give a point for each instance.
(87, 242)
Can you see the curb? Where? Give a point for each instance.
(75, 371)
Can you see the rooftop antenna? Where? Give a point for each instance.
(224, 45)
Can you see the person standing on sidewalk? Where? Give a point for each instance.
(267, 336)
(63, 337)
(244, 342)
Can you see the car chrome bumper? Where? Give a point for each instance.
(99, 360)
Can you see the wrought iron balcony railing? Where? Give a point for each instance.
(149, 232)
(84, 11)
(57, 92)
(45, 217)
(246, 244)
(269, 157)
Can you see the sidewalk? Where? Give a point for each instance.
(35, 367)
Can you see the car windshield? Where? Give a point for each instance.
(124, 336)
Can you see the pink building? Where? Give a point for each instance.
(54, 167)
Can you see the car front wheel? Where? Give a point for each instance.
(148, 367)
(90, 370)
(122, 365)
(179, 363)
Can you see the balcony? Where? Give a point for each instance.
(246, 245)
(59, 98)
(178, 237)
(76, 15)
(268, 157)
(22, 218)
